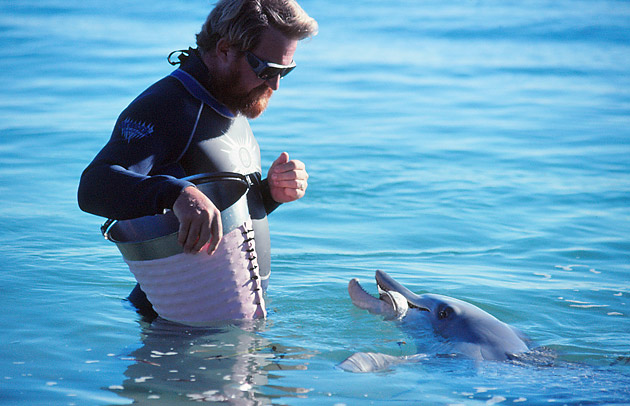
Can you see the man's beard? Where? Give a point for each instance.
(251, 104)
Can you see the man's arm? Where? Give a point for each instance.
(115, 192)
(137, 174)
(112, 191)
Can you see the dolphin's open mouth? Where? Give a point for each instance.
(390, 304)
(393, 301)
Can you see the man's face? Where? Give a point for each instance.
(240, 89)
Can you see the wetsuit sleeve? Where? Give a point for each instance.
(270, 204)
(136, 173)
(122, 192)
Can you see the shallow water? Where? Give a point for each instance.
(477, 149)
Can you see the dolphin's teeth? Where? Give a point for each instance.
(361, 287)
(362, 299)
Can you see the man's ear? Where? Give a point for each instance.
(224, 51)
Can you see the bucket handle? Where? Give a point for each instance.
(195, 179)
(206, 177)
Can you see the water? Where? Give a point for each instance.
(478, 149)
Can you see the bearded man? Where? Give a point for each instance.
(195, 121)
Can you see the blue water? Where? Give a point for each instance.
(479, 149)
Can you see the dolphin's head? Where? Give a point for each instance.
(445, 313)
(471, 330)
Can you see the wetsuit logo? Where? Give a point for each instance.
(134, 130)
(241, 148)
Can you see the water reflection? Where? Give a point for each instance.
(228, 364)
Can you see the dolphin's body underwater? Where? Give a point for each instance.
(470, 331)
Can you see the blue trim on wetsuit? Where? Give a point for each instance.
(200, 92)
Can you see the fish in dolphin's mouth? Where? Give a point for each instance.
(386, 285)
(391, 302)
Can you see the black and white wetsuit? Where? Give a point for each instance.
(175, 129)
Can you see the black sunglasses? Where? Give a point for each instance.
(267, 70)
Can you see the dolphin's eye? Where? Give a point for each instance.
(445, 312)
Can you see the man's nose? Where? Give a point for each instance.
(274, 82)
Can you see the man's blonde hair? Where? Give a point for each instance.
(241, 22)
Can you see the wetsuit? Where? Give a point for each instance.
(175, 129)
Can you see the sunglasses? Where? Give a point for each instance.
(268, 70)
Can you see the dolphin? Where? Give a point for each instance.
(470, 331)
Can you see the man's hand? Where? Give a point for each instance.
(199, 221)
(287, 179)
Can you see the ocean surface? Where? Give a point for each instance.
(474, 148)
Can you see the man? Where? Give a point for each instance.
(195, 121)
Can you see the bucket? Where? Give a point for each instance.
(196, 288)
